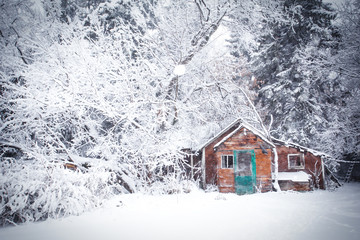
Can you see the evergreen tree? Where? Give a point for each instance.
(341, 139)
(293, 67)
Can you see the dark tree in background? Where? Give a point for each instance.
(293, 65)
(342, 138)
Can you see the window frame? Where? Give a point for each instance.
(302, 160)
(226, 156)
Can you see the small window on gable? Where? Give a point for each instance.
(296, 161)
(227, 161)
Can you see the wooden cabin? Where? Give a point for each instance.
(240, 159)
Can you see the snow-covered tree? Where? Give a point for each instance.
(93, 86)
(341, 138)
(291, 47)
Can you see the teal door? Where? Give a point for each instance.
(245, 171)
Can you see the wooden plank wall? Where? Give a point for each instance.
(297, 186)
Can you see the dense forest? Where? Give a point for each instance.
(117, 89)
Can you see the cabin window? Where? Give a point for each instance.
(227, 161)
(296, 161)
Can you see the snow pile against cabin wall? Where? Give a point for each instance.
(299, 176)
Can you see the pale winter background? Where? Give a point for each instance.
(100, 98)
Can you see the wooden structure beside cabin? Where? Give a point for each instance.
(240, 159)
(293, 158)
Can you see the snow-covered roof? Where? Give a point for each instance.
(294, 145)
(218, 135)
(228, 136)
(294, 176)
(242, 124)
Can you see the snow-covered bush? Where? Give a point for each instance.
(171, 185)
(32, 190)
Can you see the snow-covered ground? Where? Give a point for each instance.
(199, 215)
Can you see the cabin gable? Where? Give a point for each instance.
(241, 139)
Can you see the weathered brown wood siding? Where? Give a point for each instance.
(241, 140)
(211, 167)
(310, 161)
